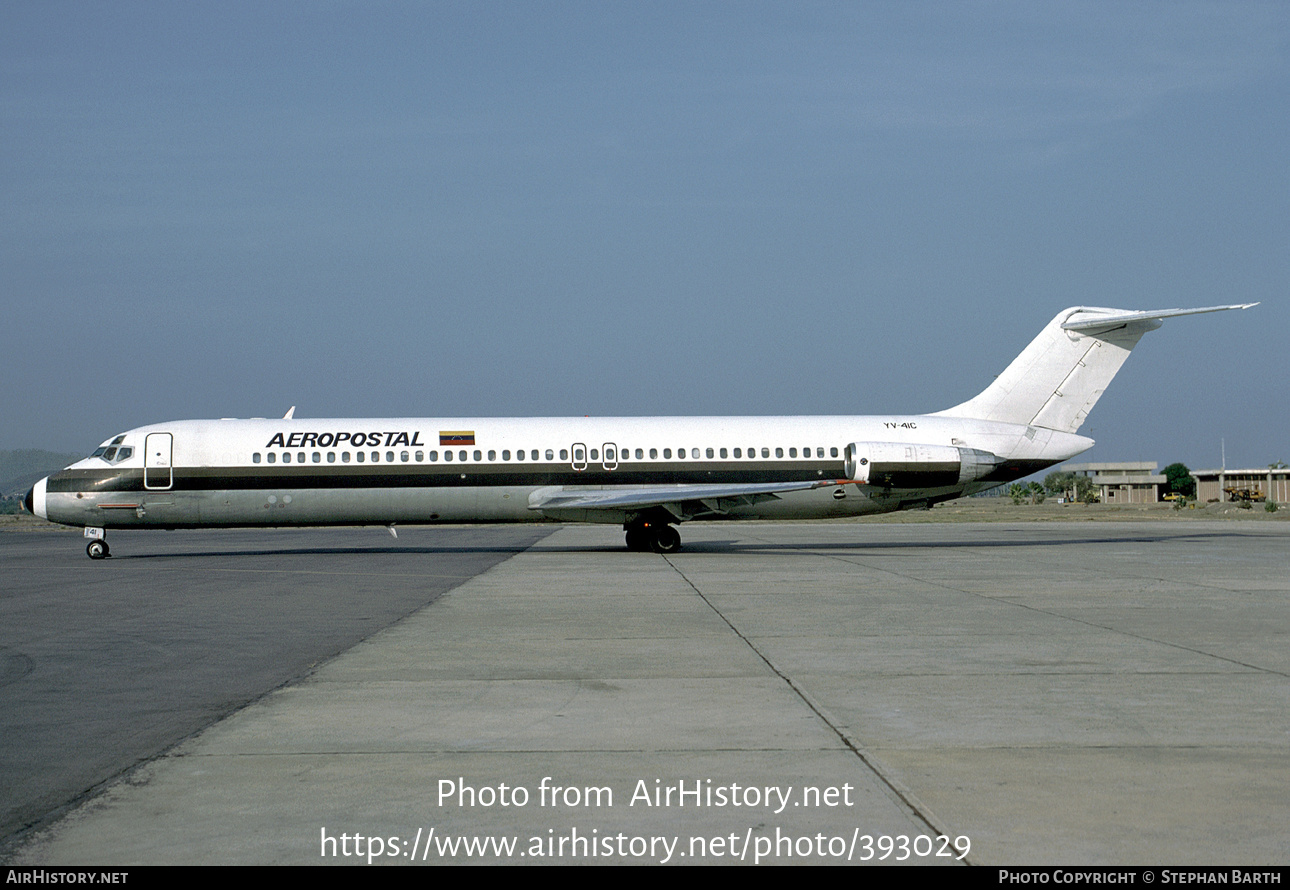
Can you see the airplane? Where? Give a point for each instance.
(647, 473)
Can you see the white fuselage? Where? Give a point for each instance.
(418, 470)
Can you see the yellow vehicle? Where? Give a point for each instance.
(1245, 494)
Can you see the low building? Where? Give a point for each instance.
(1272, 483)
(1127, 482)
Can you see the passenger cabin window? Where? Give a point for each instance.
(255, 458)
(534, 454)
(506, 454)
(550, 455)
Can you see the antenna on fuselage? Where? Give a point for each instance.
(290, 411)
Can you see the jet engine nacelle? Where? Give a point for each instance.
(898, 465)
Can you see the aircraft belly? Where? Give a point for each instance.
(291, 507)
(824, 503)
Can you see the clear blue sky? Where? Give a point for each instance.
(225, 209)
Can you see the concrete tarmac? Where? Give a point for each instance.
(1048, 693)
(105, 665)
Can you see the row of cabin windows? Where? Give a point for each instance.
(579, 456)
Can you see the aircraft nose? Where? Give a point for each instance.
(34, 502)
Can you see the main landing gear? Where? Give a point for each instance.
(650, 535)
(97, 549)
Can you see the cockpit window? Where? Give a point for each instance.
(109, 452)
(114, 454)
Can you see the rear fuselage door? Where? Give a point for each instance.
(157, 472)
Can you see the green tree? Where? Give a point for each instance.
(1070, 485)
(1178, 480)
(1060, 482)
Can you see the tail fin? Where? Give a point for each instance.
(1060, 376)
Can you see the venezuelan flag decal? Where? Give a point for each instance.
(456, 437)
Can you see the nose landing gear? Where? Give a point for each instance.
(97, 549)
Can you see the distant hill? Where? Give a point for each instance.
(21, 468)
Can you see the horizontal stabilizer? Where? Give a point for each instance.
(1113, 319)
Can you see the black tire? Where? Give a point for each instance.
(97, 549)
(666, 539)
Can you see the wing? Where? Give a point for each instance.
(681, 501)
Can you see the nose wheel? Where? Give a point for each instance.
(97, 549)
